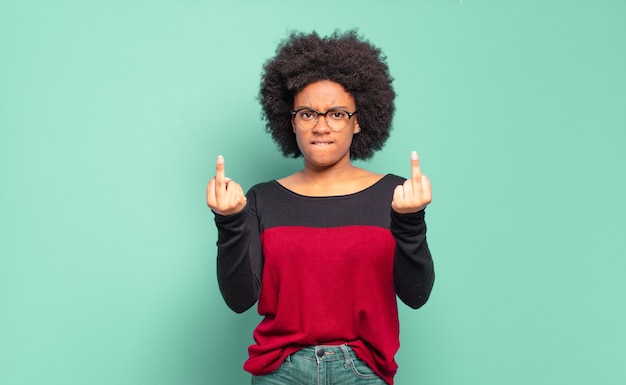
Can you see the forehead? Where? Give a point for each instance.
(323, 95)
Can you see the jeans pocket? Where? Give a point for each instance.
(282, 375)
(361, 369)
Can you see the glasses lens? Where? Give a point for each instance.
(336, 119)
(306, 119)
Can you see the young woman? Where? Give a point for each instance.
(324, 251)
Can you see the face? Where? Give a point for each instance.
(320, 146)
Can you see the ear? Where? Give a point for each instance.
(357, 128)
(293, 125)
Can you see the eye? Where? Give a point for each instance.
(337, 114)
(306, 115)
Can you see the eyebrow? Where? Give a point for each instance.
(332, 108)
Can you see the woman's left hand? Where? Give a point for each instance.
(415, 193)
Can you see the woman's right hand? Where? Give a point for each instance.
(224, 196)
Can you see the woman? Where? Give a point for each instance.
(326, 250)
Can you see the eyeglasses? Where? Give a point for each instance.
(336, 119)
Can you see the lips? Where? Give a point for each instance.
(321, 142)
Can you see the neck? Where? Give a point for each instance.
(331, 180)
(326, 174)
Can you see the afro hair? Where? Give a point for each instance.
(344, 58)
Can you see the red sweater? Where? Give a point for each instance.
(325, 270)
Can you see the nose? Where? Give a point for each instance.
(321, 126)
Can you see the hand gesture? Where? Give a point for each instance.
(224, 196)
(415, 194)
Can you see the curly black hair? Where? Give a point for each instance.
(344, 58)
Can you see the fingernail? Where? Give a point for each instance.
(220, 158)
(414, 155)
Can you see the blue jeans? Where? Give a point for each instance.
(321, 365)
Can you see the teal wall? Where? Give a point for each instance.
(112, 114)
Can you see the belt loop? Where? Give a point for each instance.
(346, 355)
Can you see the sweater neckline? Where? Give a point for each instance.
(370, 187)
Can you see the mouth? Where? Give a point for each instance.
(321, 143)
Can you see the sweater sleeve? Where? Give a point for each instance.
(414, 273)
(239, 257)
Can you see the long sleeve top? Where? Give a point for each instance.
(324, 270)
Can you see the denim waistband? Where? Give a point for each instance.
(325, 353)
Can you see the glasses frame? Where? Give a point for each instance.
(324, 114)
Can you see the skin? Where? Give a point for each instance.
(327, 170)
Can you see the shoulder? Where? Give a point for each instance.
(392, 180)
(383, 188)
(269, 187)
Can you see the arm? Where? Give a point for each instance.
(238, 269)
(413, 265)
(414, 273)
(239, 260)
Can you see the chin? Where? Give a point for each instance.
(322, 162)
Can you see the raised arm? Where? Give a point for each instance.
(238, 265)
(414, 273)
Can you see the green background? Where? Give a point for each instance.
(112, 114)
